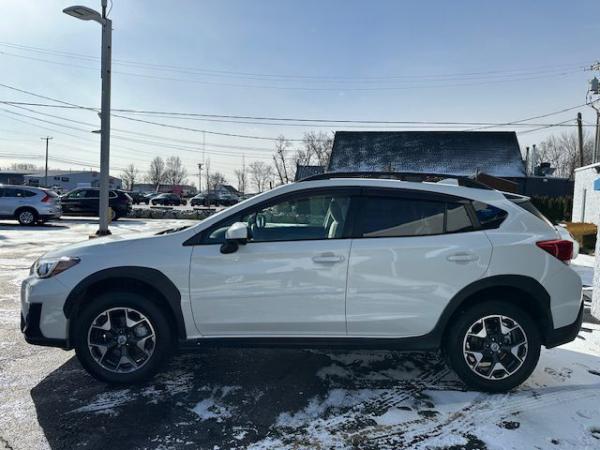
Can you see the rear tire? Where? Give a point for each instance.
(128, 347)
(27, 216)
(485, 354)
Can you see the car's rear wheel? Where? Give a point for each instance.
(122, 338)
(493, 346)
(27, 216)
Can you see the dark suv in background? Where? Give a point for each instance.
(85, 202)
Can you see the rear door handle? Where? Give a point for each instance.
(328, 258)
(463, 257)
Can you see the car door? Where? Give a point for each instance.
(71, 202)
(4, 203)
(91, 202)
(288, 280)
(414, 252)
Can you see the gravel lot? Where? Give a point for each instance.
(261, 399)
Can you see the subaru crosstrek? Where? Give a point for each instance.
(336, 261)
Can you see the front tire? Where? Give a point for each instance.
(493, 346)
(122, 338)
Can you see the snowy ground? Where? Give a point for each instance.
(263, 399)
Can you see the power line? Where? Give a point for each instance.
(308, 121)
(513, 78)
(271, 76)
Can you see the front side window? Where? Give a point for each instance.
(398, 217)
(301, 218)
(77, 194)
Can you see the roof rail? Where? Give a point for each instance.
(401, 176)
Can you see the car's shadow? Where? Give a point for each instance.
(44, 226)
(238, 395)
(233, 398)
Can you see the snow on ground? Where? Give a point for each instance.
(279, 399)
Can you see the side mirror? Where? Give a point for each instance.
(235, 235)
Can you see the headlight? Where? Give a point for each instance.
(48, 267)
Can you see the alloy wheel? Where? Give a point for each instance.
(121, 340)
(26, 217)
(495, 347)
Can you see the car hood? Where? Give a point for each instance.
(100, 245)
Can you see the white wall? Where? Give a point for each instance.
(584, 189)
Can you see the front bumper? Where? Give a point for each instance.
(43, 321)
(30, 327)
(560, 336)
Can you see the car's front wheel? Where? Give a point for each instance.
(493, 346)
(122, 338)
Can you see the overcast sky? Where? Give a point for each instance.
(346, 60)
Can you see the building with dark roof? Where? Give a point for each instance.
(464, 153)
(307, 171)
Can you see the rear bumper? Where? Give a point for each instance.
(30, 327)
(560, 336)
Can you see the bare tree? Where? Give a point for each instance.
(242, 179)
(130, 174)
(261, 175)
(215, 179)
(156, 174)
(175, 173)
(317, 149)
(284, 167)
(562, 152)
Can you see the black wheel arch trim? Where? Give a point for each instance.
(152, 277)
(530, 286)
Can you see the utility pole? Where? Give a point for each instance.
(580, 138)
(47, 139)
(199, 177)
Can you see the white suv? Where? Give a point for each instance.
(339, 261)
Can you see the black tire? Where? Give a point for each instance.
(457, 357)
(27, 216)
(162, 347)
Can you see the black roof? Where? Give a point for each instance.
(307, 171)
(463, 153)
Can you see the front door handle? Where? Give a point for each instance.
(463, 257)
(328, 258)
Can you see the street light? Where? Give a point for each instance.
(85, 13)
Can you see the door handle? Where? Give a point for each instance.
(328, 258)
(463, 257)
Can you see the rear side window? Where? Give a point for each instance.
(19, 193)
(457, 218)
(398, 217)
(489, 216)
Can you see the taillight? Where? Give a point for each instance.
(558, 248)
(46, 198)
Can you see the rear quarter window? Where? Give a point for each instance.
(489, 216)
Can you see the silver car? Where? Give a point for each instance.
(28, 205)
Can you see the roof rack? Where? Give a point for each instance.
(401, 176)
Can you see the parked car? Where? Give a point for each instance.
(348, 262)
(28, 205)
(149, 196)
(86, 201)
(204, 199)
(136, 197)
(213, 198)
(168, 199)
